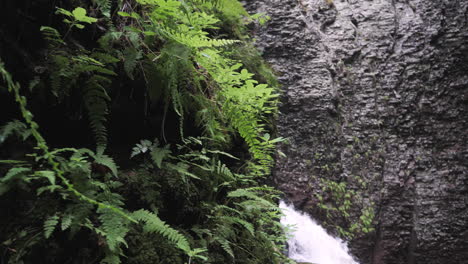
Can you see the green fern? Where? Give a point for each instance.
(131, 57)
(105, 7)
(153, 224)
(225, 245)
(236, 220)
(114, 228)
(106, 161)
(49, 225)
(66, 221)
(14, 127)
(96, 100)
(52, 36)
(159, 154)
(15, 173)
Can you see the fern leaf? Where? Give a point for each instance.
(159, 154)
(230, 219)
(12, 174)
(153, 224)
(106, 161)
(52, 36)
(142, 147)
(114, 227)
(131, 57)
(111, 258)
(96, 99)
(14, 127)
(49, 225)
(104, 6)
(255, 200)
(66, 221)
(225, 245)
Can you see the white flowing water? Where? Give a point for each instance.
(310, 243)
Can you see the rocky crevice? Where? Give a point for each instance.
(377, 91)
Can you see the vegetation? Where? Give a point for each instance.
(171, 165)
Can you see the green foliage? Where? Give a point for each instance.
(49, 225)
(77, 16)
(14, 127)
(152, 224)
(343, 201)
(213, 207)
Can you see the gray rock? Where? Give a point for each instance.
(377, 90)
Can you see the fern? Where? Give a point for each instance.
(236, 220)
(114, 228)
(12, 175)
(159, 154)
(104, 6)
(225, 245)
(14, 127)
(131, 57)
(52, 36)
(106, 161)
(96, 100)
(66, 221)
(49, 225)
(142, 147)
(153, 224)
(254, 199)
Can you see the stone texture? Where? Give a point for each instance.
(377, 90)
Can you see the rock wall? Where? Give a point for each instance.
(376, 95)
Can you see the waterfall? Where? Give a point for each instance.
(310, 243)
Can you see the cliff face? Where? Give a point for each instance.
(377, 91)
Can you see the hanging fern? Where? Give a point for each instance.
(96, 100)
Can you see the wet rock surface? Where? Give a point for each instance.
(377, 92)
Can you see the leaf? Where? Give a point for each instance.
(13, 161)
(131, 57)
(49, 225)
(64, 12)
(132, 15)
(66, 221)
(79, 14)
(153, 224)
(50, 175)
(159, 154)
(14, 173)
(108, 162)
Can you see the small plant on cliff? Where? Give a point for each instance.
(343, 201)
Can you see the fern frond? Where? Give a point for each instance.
(106, 161)
(114, 228)
(131, 57)
(255, 200)
(66, 221)
(159, 154)
(236, 220)
(153, 224)
(111, 258)
(96, 100)
(225, 245)
(49, 225)
(196, 41)
(12, 174)
(14, 127)
(104, 6)
(52, 36)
